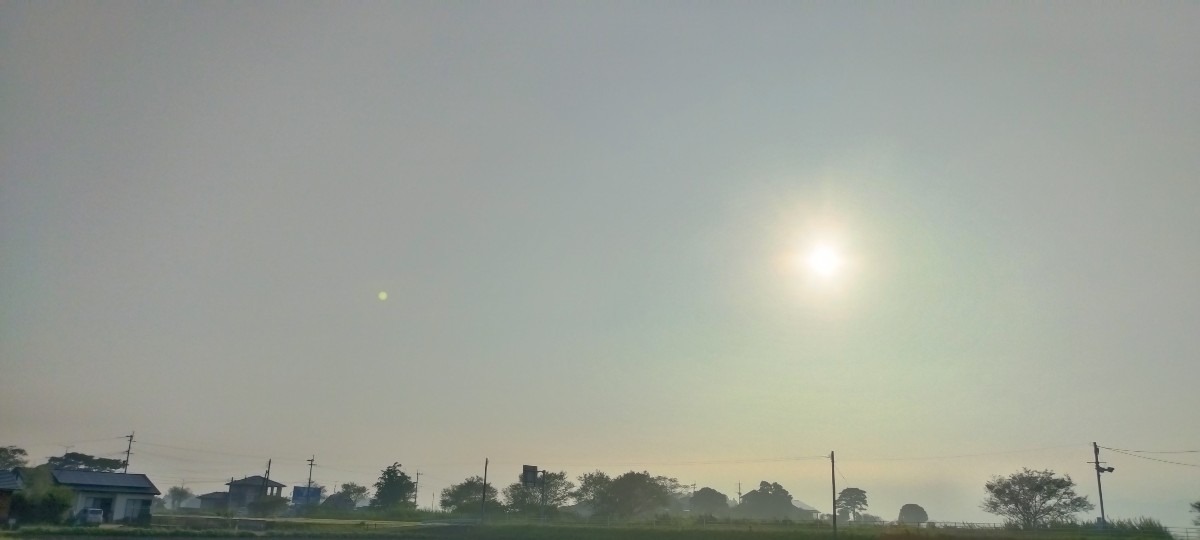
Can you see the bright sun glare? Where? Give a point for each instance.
(824, 261)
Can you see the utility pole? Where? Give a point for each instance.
(542, 515)
(267, 478)
(416, 488)
(128, 450)
(739, 492)
(483, 496)
(1099, 486)
(833, 483)
(308, 497)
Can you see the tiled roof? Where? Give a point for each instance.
(9, 481)
(105, 481)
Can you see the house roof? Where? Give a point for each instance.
(9, 481)
(105, 481)
(798, 504)
(219, 495)
(256, 481)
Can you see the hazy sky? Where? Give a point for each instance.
(589, 218)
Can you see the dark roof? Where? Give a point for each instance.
(9, 481)
(222, 495)
(256, 481)
(105, 481)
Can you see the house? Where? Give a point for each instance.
(9, 484)
(244, 492)
(121, 496)
(217, 501)
(804, 511)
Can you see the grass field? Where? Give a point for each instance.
(199, 527)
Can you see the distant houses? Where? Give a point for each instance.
(217, 501)
(121, 496)
(10, 483)
(248, 490)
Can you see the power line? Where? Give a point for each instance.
(1150, 458)
(959, 456)
(1153, 451)
(708, 462)
(248, 456)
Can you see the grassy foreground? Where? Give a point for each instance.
(317, 529)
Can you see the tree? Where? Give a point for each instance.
(12, 457)
(346, 498)
(1196, 508)
(709, 502)
(178, 494)
(912, 513)
(769, 501)
(1032, 498)
(633, 494)
(75, 461)
(41, 501)
(465, 496)
(528, 499)
(393, 489)
(354, 493)
(851, 501)
(592, 487)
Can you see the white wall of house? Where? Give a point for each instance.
(122, 506)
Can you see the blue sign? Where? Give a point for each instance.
(305, 496)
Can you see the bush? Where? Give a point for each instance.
(48, 507)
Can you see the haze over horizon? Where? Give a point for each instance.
(946, 241)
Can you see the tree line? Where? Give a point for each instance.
(1027, 498)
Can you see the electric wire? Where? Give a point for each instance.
(960, 456)
(1152, 459)
(1152, 451)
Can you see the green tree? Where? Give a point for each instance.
(394, 489)
(912, 513)
(851, 501)
(12, 457)
(1196, 508)
(633, 494)
(592, 487)
(178, 494)
(346, 498)
(710, 502)
(75, 461)
(524, 499)
(1031, 498)
(42, 501)
(354, 492)
(464, 497)
(769, 501)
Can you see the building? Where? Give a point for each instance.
(804, 511)
(9, 483)
(121, 496)
(244, 492)
(217, 501)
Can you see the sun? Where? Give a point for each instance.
(382, 295)
(824, 261)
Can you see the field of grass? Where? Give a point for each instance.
(298, 528)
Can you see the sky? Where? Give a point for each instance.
(593, 221)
